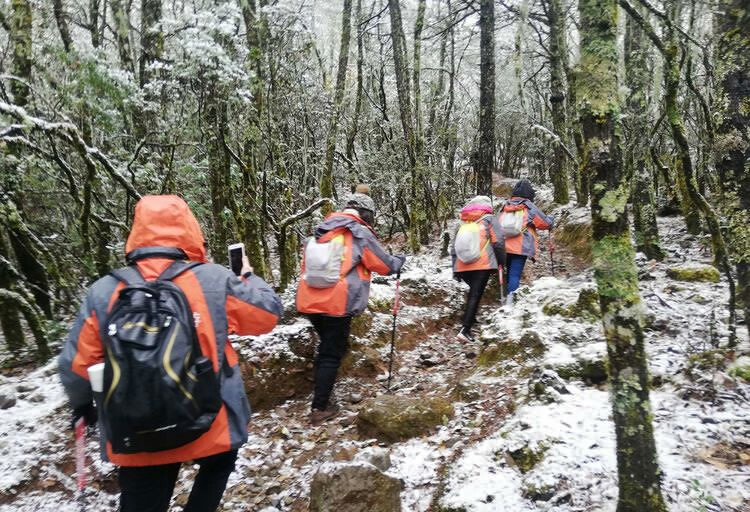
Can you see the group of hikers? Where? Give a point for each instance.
(171, 390)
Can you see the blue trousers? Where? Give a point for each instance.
(515, 264)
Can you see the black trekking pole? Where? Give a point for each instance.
(551, 249)
(396, 305)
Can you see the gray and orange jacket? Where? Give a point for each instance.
(493, 249)
(221, 304)
(363, 254)
(526, 243)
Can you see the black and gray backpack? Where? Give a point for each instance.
(160, 392)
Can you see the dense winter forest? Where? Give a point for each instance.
(620, 379)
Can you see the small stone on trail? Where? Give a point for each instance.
(7, 401)
(378, 457)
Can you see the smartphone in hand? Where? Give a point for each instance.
(236, 257)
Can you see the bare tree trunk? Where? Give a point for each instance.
(326, 181)
(486, 157)
(732, 144)
(354, 127)
(151, 38)
(62, 24)
(615, 271)
(558, 50)
(638, 77)
(94, 23)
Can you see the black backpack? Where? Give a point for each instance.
(160, 392)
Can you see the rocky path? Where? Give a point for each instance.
(527, 426)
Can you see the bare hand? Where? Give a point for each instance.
(246, 267)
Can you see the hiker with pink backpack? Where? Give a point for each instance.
(520, 220)
(478, 251)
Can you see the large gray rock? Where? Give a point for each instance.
(354, 487)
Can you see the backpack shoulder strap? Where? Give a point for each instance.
(129, 275)
(176, 268)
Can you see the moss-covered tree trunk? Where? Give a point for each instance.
(219, 173)
(638, 68)
(639, 476)
(251, 196)
(732, 145)
(121, 27)
(326, 181)
(558, 51)
(403, 90)
(422, 185)
(486, 157)
(10, 319)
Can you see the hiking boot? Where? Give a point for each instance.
(465, 335)
(509, 300)
(318, 416)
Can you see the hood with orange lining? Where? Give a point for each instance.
(166, 221)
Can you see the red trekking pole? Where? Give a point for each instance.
(396, 305)
(80, 452)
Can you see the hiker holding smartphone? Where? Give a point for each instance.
(478, 252)
(172, 391)
(335, 286)
(520, 219)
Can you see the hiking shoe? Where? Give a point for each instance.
(318, 416)
(509, 300)
(465, 335)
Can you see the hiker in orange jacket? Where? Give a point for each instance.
(165, 235)
(523, 245)
(491, 256)
(336, 286)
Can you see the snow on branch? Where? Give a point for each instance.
(69, 133)
(549, 133)
(304, 213)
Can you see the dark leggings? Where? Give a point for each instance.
(477, 281)
(149, 488)
(333, 332)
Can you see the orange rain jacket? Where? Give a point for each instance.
(526, 243)
(493, 250)
(363, 254)
(221, 303)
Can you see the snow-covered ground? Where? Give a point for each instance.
(464, 465)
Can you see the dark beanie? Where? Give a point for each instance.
(524, 189)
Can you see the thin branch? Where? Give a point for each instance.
(304, 213)
(69, 133)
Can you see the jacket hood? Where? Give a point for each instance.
(471, 215)
(524, 189)
(166, 222)
(515, 203)
(338, 220)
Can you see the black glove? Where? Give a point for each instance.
(87, 412)
(402, 259)
(456, 277)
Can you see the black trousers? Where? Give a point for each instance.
(477, 281)
(149, 488)
(333, 332)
